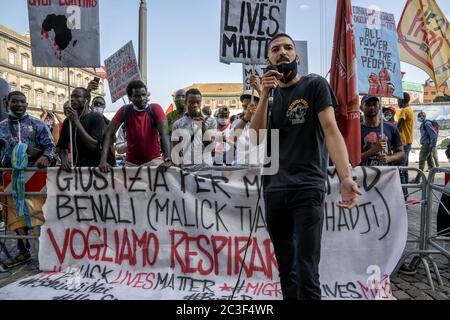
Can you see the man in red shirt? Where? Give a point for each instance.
(146, 131)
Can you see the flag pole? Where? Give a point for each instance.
(253, 89)
(382, 123)
(70, 121)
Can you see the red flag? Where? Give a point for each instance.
(344, 82)
(170, 109)
(100, 72)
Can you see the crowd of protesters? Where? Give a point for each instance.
(140, 134)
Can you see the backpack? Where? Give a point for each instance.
(127, 111)
(435, 125)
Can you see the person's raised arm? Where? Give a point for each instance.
(270, 80)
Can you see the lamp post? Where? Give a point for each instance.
(143, 39)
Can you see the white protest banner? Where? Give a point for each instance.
(246, 28)
(65, 33)
(122, 68)
(137, 234)
(378, 59)
(302, 51)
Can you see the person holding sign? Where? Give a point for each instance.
(378, 148)
(145, 128)
(303, 112)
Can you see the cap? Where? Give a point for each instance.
(247, 94)
(389, 108)
(223, 109)
(367, 98)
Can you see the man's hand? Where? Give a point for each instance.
(270, 80)
(162, 168)
(384, 159)
(72, 115)
(251, 109)
(255, 83)
(104, 167)
(376, 148)
(42, 162)
(92, 86)
(349, 194)
(65, 165)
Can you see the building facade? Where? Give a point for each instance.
(431, 92)
(44, 87)
(216, 95)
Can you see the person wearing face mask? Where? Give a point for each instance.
(87, 132)
(223, 129)
(389, 114)
(40, 153)
(303, 113)
(145, 129)
(180, 105)
(99, 106)
(428, 141)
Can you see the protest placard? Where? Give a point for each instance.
(122, 68)
(65, 33)
(378, 61)
(246, 28)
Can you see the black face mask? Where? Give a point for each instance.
(289, 71)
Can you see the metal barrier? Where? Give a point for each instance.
(13, 236)
(422, 254)
(435, 239)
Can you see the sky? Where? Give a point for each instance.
(183, 38)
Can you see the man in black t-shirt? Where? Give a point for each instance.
(87, 132)
(303, 112)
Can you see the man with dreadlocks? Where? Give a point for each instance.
(88, 129)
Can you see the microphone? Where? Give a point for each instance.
(270, 68)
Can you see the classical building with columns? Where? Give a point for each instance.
(220, 94)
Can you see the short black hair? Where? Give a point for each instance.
(135, 85)
(194, 92)
(86, 93)
(98, 97)
(16, 93)
(279, 35)
(406, 98)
